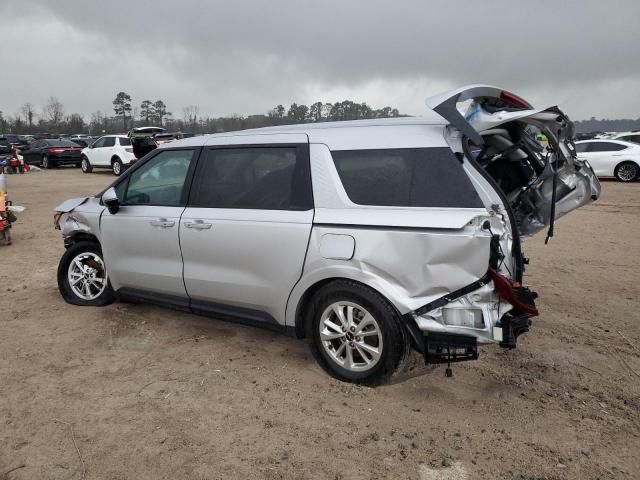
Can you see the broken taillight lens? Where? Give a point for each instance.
(509, 293)
(514, 100)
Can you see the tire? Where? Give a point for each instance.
(340, 351)
(46, 163)
(117, 167)
(85, 165)
(84, 257)
(626, 172)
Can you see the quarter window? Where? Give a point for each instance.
(405, 177)
(160, 181)
(605, 147)
(124, 142)
(264, 178)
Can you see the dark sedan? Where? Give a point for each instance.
(51, 153)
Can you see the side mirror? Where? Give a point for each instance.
(110, 200)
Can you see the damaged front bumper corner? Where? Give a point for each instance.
(490, 310)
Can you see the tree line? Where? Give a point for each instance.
(607, 125)
(52, 118)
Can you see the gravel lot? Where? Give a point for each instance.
(152, 393)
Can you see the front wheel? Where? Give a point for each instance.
(626, 172)
(355, 334)
(116, 166)
(82, 276)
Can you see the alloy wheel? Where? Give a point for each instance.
(627, 172)
(351, 336)
(87, 276)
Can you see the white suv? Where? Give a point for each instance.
(368, 238)
(111, 151)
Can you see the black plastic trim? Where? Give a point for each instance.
(450, 297)
(172, 301)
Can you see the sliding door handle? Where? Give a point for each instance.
(197, 225)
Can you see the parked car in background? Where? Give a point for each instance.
(585, 136)
(368, 238)
(633, 137)
(51, 153)
(110, 151)
(166, 138)
(11, 139)
(611, 158)
(83, 142)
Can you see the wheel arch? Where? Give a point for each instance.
(298, 306)
(626, 160)
(115, 157)
(80, 237)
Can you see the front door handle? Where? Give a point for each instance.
(162, 223)
(198, 225)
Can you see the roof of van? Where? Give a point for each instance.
(315, 131)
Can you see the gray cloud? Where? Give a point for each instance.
(247, 56)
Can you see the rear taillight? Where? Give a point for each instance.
(508, 293)
(57, 150)
(514, 100)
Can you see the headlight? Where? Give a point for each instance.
(56, 220)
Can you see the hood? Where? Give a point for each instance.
(70, 204)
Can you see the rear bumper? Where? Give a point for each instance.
(490, 310)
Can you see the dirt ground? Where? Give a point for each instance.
(155, 394)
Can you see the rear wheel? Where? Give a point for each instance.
(85, 165)
(116, 166)
(626, 172)
(46, 162)
(355, 334)
(82, 276)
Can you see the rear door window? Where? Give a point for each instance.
(582, 147)
(109, 141)
(264, 178)
(405, 177)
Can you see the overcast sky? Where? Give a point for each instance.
(247, 56)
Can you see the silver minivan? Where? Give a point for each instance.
(369, 238)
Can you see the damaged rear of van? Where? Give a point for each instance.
(525, 186)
